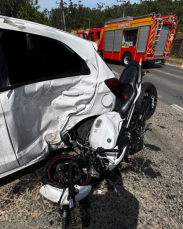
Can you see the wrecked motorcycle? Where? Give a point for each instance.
(101, 143)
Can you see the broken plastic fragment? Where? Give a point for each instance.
(115, 189)
(99, 192)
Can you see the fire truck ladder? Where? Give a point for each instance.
(172, 33)
(158, 29)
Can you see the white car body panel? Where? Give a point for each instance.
(30, 112)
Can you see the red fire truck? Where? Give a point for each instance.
(94, 35)
(146, 38)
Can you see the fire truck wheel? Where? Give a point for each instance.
(126, 59)
(163, 62)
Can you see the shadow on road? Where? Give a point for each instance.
(20, 175)
(117, 62)
(145, 65)
(151, 66)
(141, 165)
(115, 207)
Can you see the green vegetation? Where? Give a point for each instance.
(29, 10)
(24, 9)
(99, 15)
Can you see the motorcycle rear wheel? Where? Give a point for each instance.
(55, 172)
(145, 90)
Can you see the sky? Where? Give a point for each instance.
(49, 4)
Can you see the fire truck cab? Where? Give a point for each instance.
(95, 35)
(83, 35)
(146, 38)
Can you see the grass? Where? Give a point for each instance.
(175, 60)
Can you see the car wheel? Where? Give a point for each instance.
(163, 62)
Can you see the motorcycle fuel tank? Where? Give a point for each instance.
(105, 130)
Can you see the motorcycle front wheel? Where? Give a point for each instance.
(56, 172)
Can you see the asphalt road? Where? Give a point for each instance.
(167, 79)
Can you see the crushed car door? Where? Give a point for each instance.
(50, 82)
(8, 160)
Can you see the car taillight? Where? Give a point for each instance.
(113, 85)
(119, 89)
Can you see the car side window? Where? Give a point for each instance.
(32, 57)
(4, 82)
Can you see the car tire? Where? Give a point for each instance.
(126, 59)
(163, 62)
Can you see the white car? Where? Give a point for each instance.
(50, 81)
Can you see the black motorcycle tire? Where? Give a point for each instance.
(83, 131)
(145, 89)
(51, 170)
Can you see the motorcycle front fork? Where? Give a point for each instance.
(68, 210)
(68, 217)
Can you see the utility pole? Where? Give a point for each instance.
(62, 14)
(89, 22)
(124, 6)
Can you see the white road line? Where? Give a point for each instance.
(159, 96)
(115, 73)
(177, 107)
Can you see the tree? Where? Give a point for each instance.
(30, 11)
(11, 7)
(24, 9)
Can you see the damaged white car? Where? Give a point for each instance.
(50, 81)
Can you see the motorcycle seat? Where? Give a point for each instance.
(127, 89)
